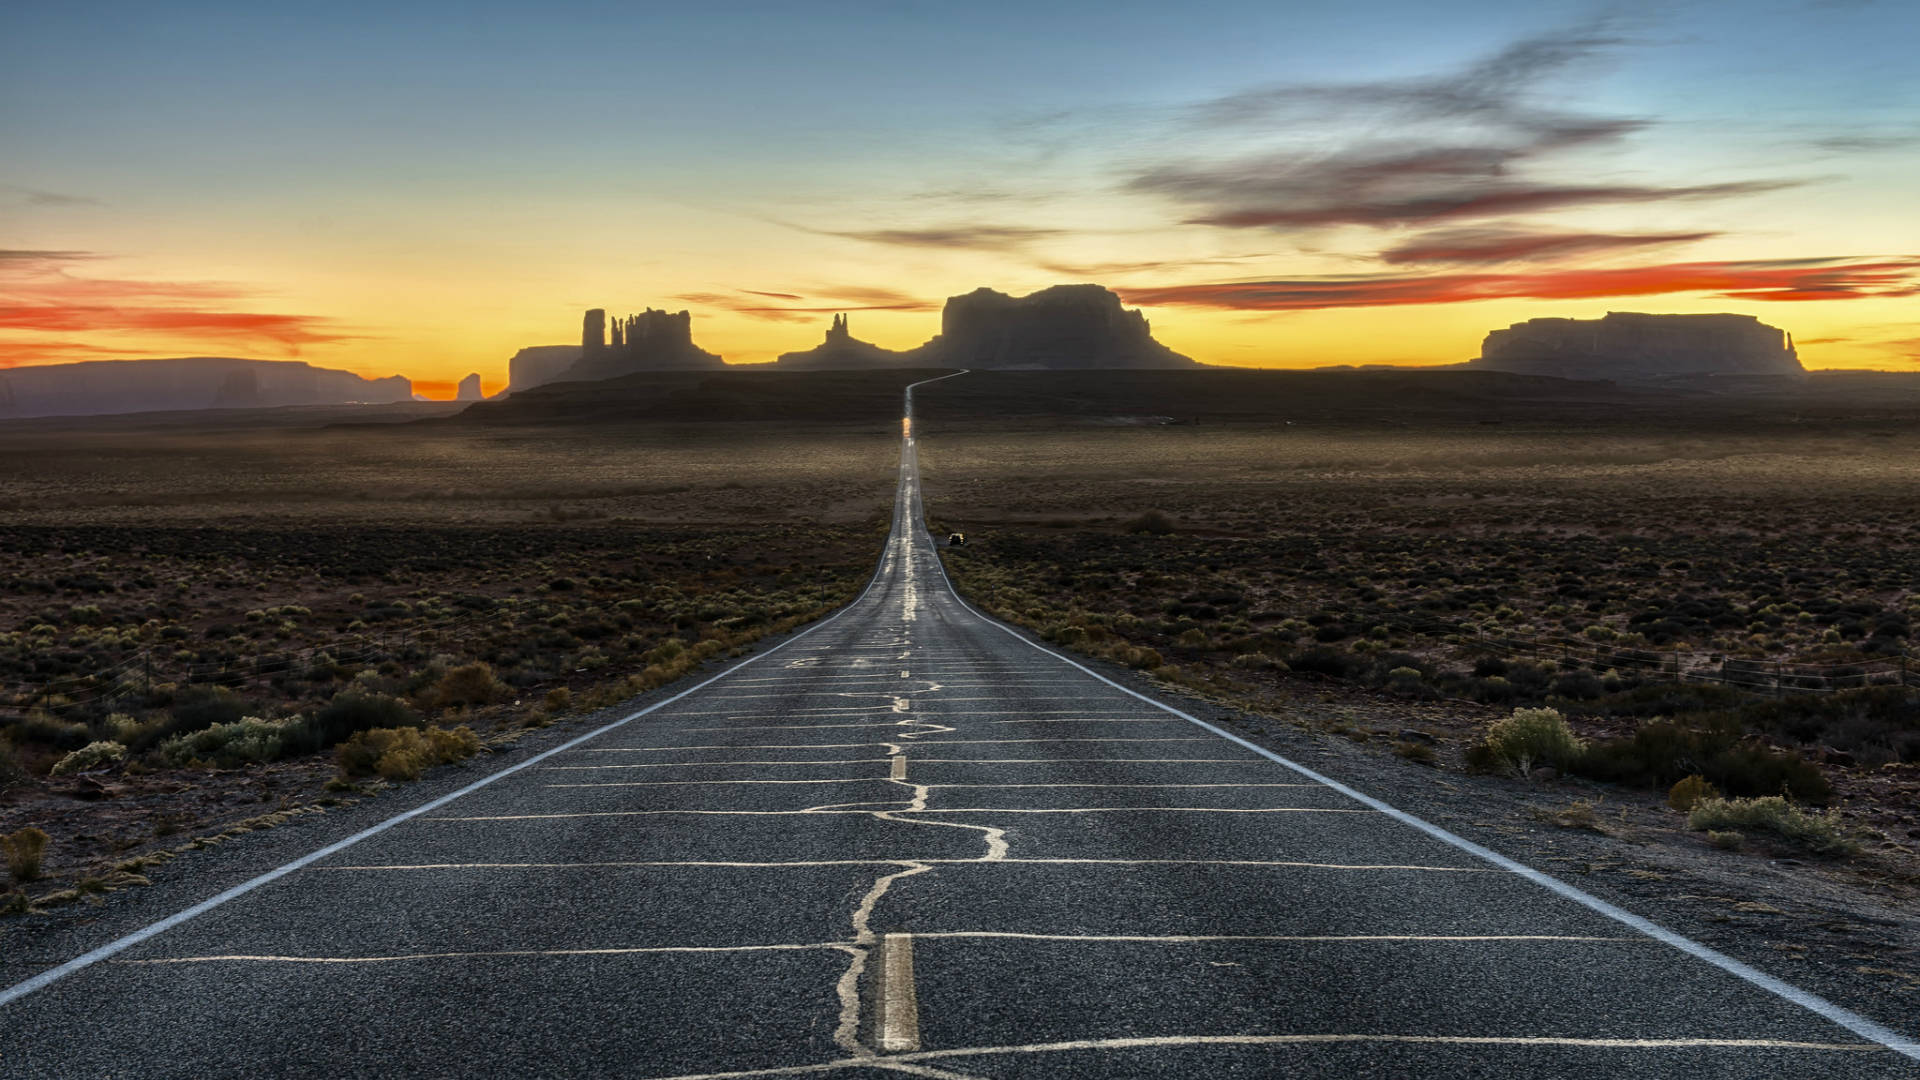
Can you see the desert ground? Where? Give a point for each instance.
(1710, 590)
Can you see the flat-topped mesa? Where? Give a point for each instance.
(841, 350)
(650, 341)
(469, 389)
(1066, 326)
(1634, 346)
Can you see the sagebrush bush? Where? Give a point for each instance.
(1690, 790)
(1817, 832)
(404, 753)
(1531, 738)
(353, 711)
(469, 684)
(24, 850)
(247, 741)
(91, 756)
(1662, 752)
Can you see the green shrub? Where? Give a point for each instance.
(195, 708)
(404, 753)
(24, 850)
(1818, 833)
(1531, 738)
(1662, 752)
(353, 711)
(248, 741)
(91, 756)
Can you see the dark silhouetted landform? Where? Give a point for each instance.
(1634, 347)
(868, 399)
(1066, 327)
(842, 351)
(650, 341)
(99, 387)
(537, 365)
(469, 389)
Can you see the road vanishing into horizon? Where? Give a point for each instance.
(912, 841)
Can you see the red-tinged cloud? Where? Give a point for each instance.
(1492, 246)
(291, 331)
(37, 293)
(1781, 279)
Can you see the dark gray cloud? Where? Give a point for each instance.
(1487, 247)
(1457, 147)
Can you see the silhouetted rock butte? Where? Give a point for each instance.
(470, 389)
(537, 365)
(1634, 347)
(99, 387)
(650, 341)
(842, 350)
(1066, 326)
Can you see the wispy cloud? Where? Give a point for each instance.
(37, 197)
(1455, 147)
(827, 301)
(1505, 245)
(1777, 279)
(961, 237)
(37, 293)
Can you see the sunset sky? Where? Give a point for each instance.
(423, 189)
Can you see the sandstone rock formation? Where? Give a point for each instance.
(98, 387)
(1066, 326)
(842, 350)
(1630, 346)
(469, 389)
(537, 365)
(650, 341)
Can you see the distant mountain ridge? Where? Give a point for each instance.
(100, 387)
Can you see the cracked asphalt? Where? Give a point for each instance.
(1058, 877)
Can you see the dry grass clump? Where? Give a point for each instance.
(1529, 739)
(404, 753)
(24, 850)
(469, 684)
(91, 756)
(1689, 791)
(1819, 833)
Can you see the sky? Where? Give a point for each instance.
(424, 189)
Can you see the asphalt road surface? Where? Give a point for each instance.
(911, 841)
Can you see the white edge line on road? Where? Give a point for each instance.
(1846, 1018)
(88, 959)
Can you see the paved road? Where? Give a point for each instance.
(911, 842)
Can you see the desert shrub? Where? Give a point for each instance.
(352, 711)
(1531, 738)
(194, 709)
(45, 729)
(1578, 686)
(1662, 752)
(24, 850)
(1336, 663)
(469, 684)
(1253, 662)
(1689, 791)
(247, 741)
(1817, 832)
(558, 700)
(91, 756)
(404, 753)
(1143, 658)
(1154, 522)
